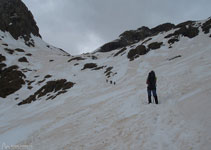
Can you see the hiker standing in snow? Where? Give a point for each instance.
(151, 88)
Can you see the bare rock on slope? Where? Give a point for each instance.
(15, 15)
(11, 80)
(52, 89)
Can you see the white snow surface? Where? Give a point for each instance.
(96, 115)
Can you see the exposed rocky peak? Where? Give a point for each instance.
(17, 20)
(188, 29)
(134, 36)
(162, 28)
(207, 26)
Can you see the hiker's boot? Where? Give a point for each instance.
(149, 99)
(156, 100)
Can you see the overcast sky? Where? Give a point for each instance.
(80, 26)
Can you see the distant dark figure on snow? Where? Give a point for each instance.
(151, 88)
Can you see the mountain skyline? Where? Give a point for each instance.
(83, 26)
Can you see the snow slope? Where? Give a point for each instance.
(96, 115)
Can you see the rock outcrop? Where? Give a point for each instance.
(18, 20)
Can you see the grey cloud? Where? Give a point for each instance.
(83, 25)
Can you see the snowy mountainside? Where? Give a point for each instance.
(52, 100)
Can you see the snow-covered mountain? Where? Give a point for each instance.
(52, 100)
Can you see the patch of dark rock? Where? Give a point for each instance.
(51, 60)
(155, 45)
(174, 57)
(11, 80)
(2, 58)
(29, 42)
(58, 87)
(98, 68)
(94, 57)
(19, 50)
(146, 41)
(189, 32)
(10, 51)
(133, 36)
(108, 72)
(30, 82)
(120, 51)
(5, 44)
(52, 97)
(29, 87)
(135, 53)
(66, 53)
(173, 40)
(26, 70)
(48, 46)
(16, 98)
(210, 35)
(36, 76)
(186, 23)
(39, 82)
(162, 28)
(89, 66)
(111, 82)
(76, 58)
(48, 76)
(206, 26)
(119, 43)
(28, 54)
(76, 64)
(136, 35)
(23, 59)
(23, 23)
(2, 65)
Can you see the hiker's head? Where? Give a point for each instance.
(152, 73)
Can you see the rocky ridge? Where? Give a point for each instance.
(18, 20)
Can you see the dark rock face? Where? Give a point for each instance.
(28, 54)
(155, 45)
(162, 28)
(17, 20)
(136, 35)
(113, 45)
(186, 23)
(186, 29)
(19, 50)
(207, 26)
(57, 87)
(189, 32)
(9, 51)
(11, 81)
(127, 38)
(2, 65)
(22, 59)
(48, 76)
(2, 58)
(76, 58)
(173, 40)
(135, 53)
(108, 72)
(133, 36)
(120, 51)
(89, 66)
(174, 57)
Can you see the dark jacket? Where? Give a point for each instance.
(151, 81)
